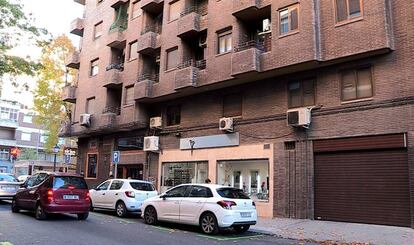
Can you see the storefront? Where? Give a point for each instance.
(246, 167)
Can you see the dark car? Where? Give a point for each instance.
(51, 193)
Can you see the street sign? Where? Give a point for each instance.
(116, 157)
(67, 159)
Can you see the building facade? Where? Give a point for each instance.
(305, 105)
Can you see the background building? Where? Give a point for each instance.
(307, 106)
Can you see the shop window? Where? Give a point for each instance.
(301, 93)
(92, 166)
(173, 115)
(252, 176)
(356, 84)
(174, 174)
(232, 105)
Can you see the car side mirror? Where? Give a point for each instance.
(23, 185)
(164, 197)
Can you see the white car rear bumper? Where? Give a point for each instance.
(228, 218)
(133, 205)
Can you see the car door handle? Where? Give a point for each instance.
(116, 194)
(103, 194)
(32, 192)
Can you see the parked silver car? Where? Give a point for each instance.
(8, 186)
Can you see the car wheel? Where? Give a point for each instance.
(241, 228)
(83, 216)
(14, 207)
(150, 216)
(40, 213)
(208, 223)
(121, 210)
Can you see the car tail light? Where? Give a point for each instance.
(50, 195)
(88, 196)
(226, 204)
(71, 187)
(130, 194)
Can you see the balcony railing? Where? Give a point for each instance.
(200, 64)
(194, 9)
(148, 76)
(119, 67)
(111, 109)
(262, 46)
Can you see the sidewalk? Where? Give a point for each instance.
(323, 231)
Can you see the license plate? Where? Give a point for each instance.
(6, 188)
(245, 214)
(71, 197)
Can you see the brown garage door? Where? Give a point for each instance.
(367, 186)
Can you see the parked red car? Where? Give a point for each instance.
(47, 193)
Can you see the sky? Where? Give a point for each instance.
(54, 15)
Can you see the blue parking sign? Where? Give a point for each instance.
(116, 157)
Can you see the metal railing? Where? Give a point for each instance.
(110, 109)
(200, 64)
(149, 76)
(262, 46)
(119, 67)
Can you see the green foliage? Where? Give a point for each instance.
(15, 25)
(28, 154)
(51, 81)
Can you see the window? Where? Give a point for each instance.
(116, 185)
(27, 119)
(65, 182)
(92, 166)
(172, 58)
(178, 192)
(347, 9)
(178, 173)
(90, 105)
(136, 10)
(251, 176)
(8, 114)
(98, 30)
(133, 50)
(175, 10)
(232, 105)
(130, 143)
(224, 42)
(288, 20)
(356, 84)
(94, 67)
(142, 186)
(43, 138)
(129, 95)
(200, 191)
(103, 186)
(4, 154)
(173, 115)
(301, 93)
(26, 136)
(121, 18)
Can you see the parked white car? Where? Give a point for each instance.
(209, 206)
(121, 195)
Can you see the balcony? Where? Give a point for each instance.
(249, 9)
(149, 41)
(116, 39)
(73, 60)
(65, 129)
(7, 123)
(143, 88)
(187, 74)
(189, 24)
(246, 58)
(108, 118)
(152, 6)
(69, 94)
(77, 26)
(117, 3)
(113, 78)
(80, 1)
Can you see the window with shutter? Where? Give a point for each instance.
(289, 19)
(357, 84)
(347, 9)
(301, 93)
(172, 58)
(232, 105)
(173, 115)
(129, 95)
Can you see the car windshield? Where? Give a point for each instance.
(63, 182)
(142, 186)
(8, 178)
(232, 193)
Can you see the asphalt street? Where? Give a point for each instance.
(104, 228)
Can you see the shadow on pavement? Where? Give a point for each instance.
(130, 215)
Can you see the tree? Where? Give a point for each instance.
(28, 154)
(52, 77)
(14, 25)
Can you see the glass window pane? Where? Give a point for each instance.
(341, 10)
(354, 8)
(92, 166)
(295, 99)
(174, 174)
(133, 48)
(364, 89)
(308, 92)
(294, 19)
(284, 21)
(348, 85)
(228, 43)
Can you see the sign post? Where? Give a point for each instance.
(116, 155)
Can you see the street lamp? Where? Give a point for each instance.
(56, 149)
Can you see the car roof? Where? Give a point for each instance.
(59, 174)
(133, 180)
(213, 186)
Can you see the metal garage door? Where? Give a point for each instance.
(363, 186)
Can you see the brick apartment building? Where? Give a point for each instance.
(346, 64)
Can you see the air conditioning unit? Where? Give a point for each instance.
(158, 59)
(85, 120)
(226, 124)
(202, 42)
(300, 117)
(151, 143)
(155, 122)
(266, 25)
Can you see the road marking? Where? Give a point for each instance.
(113, 218)
(6, 243)
(223, 238)
(164, 229)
